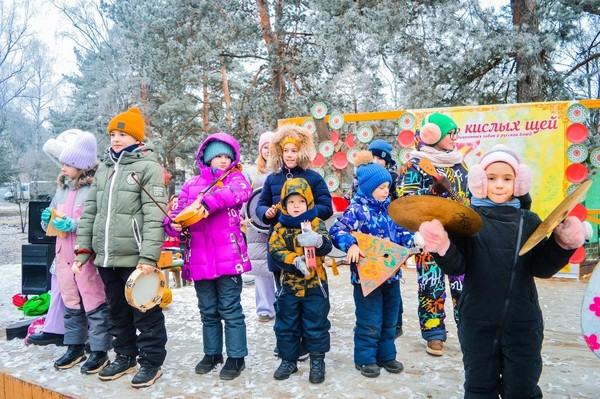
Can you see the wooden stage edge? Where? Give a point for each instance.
(15, 388)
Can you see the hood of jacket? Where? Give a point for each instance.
(304, 141)
(298, 186)
(224, 137)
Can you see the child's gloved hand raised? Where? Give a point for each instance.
(570, 233)
(64, 224)
(310, 239)
(46, 214)
(300, 264)
(435, 237)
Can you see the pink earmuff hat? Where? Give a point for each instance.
(477, 178)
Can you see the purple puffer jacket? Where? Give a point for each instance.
(217, 247)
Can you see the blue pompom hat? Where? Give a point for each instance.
(370, 176)
(216, 148)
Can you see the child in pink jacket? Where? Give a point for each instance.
(217, 253)
(82, 291)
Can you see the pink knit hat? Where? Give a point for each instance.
(477, 178)
(265, 139)
(80, 154)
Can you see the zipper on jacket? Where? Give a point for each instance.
(513, 270)
(113, 175)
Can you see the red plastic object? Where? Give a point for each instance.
(577, 133)
(579, 212)
(578, 256)
(576, 173)
(349, 140)
(406, 138)
(319, 160)
(339, 204)
(339, 160)
(334, 137)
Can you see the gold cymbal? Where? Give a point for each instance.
(409, 212)
(556, 216)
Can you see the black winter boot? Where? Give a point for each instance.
(74, 355)
(146, 376)
(392, 366)
(122, 365)
(285, 369)
(369, 370)
(233, 368)
(208, 363)
(45, 338)
(96, 362)
(317, 368)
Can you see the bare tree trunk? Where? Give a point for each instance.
(530, 86)
(205, 105)
(145, 108)
(226, 95)
(276, 51)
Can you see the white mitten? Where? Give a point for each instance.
(569, 234)
(435, 237)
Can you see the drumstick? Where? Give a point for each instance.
(133, 174)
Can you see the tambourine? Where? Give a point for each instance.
(145, 291)
(190, 215)
(250, 211)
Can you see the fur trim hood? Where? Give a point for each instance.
(298, 135)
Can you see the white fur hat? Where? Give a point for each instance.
(477, 178)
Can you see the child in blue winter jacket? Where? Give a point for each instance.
(377, 313)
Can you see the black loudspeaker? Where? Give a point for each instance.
(36, 260)
(37, 235)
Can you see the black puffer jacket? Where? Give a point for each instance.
(496, 287)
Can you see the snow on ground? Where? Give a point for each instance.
(571, 370)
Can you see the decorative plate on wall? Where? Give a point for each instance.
(595, 157)
(319, 160)
(406, 121)
(577, 113)
(334, 136)
(333, 183)
(318, 110)
(364, 134)
(339, 160)
(309, 125)
(319, 170)
(349, 141)
(336, 120)
(326, 148)
(577, 153)
(576, 173)
(406, 138)
(577, 133)
(351, 154)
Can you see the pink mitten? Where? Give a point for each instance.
(569, 234)
(436, 238)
